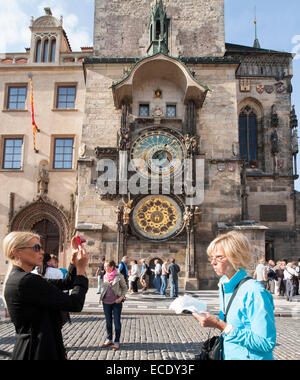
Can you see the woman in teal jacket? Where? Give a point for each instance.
(249, 331)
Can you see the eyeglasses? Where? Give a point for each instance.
(36, 248)
(218, 259)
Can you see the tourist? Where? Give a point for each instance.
(271, 276)
(100, 274)
(34, 303)
(113, 292)
(291, 277)
(249, 332)
(123, 269)
(260, 273)
(134, 277)
(145, 271)
(157, 274)
(48, 270)
(164, 278)
(278, 283)
(173, 270)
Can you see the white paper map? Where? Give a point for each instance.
(187, 303)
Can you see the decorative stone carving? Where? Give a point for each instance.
(274, 143)
(274, 117)
(191, 144)
(295, 146)
(82, 150)
(43, 179)
(42, 208)
(127, 209)
(293, 118)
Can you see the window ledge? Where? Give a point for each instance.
(15, 110)
(11, 171)
(62, 170)
(64, 110)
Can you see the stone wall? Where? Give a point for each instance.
(196, 27)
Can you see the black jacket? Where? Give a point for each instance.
(35, 306)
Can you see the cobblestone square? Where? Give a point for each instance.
(150, 337)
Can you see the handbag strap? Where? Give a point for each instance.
(234, 294)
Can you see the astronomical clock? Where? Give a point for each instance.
(157, 154)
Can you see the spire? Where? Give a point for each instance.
(158, 28)
(256, 41)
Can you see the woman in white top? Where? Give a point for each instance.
(134, 276)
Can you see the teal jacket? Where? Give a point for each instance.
(252, 316)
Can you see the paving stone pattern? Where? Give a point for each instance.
(150, 337)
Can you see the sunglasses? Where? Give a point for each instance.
(36, 248)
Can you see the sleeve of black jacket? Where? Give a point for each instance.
(37, 291)
(68, 282)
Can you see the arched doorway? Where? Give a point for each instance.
(49, 234)
(152, 266)
(48, 219)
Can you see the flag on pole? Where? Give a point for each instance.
(35, 128)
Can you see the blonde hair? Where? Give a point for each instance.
(15, 240)
(236, 248)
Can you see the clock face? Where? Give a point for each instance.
(157, 217)
(157, 154)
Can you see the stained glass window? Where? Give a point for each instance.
(248, 134)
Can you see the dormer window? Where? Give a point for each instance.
(45, 50)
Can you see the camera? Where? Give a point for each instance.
(77, 241)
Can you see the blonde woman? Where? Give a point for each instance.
(34, 303)
(249, 332)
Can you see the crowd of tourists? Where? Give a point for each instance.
(280, 279)
(38, 306)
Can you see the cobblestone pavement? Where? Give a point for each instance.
(150, 337)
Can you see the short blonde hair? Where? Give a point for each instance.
(236, 248)
(17, 240)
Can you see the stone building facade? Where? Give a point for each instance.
(166, 69)
(37, 191)
(182, 137)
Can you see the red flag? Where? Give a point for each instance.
(35, 128)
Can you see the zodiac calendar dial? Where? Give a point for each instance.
(157, 217)
(158, 153)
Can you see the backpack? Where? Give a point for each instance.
(122, 269)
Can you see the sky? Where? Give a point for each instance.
(278, 27)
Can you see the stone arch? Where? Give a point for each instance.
(43, 208)
(152, 266)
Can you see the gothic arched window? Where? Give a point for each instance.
(46, 51)
(38, 50)
(248, 134)
(157, 30)
(52, 50)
